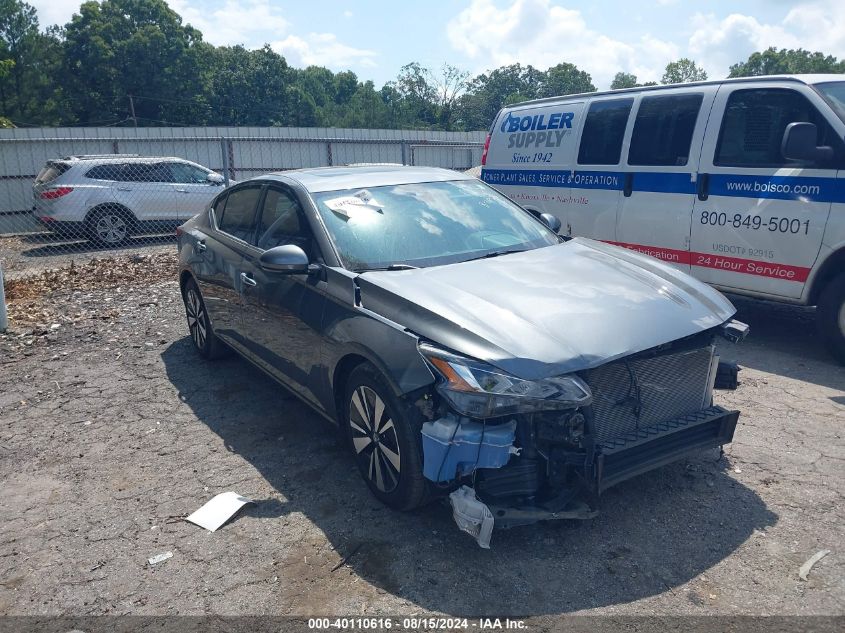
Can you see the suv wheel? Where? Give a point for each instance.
(110, 226)
(384, 439)
(831, 316)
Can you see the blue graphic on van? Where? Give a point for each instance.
(557, 121)
(804, 189)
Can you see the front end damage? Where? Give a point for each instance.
(515, 452)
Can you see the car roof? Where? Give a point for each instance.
(320, 179)
(116, 158)
(804, 79)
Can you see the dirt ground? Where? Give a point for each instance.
(112, 428)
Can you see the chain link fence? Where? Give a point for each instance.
(77, 194)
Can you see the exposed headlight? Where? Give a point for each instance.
(479, 390)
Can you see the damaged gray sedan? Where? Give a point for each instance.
(462, 345)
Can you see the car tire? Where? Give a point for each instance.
(110, 226)
(199, 325)
(830, 316)
(389, 458)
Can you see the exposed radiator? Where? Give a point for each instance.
(634, 394)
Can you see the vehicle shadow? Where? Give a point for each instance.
(49, 245)
(784, 341)
(655, 532)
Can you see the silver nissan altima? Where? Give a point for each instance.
(463, 347)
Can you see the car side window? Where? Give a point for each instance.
(236, 217)
(188, 174)
(604, 129)
(663, 130)
(754, 123)
(283, 222)
(148, 172)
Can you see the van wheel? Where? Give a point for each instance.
(830, 316)
(110, 226)
(385, 440)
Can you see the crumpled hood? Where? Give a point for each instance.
(547, 311)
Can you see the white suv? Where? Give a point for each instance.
(108, 198)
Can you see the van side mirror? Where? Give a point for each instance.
(288, 260)
(799, 143)
(551, 221)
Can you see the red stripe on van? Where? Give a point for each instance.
(721, 262)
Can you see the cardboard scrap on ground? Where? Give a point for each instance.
(218, 510)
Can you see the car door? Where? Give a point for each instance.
(282, 313)
(149, 191)
(661, 167)
(221, 254)
(596, 184)
(193, 188)
(759, 218)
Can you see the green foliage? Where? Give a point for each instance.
(787, 61)
(116, 54)
(683, 71)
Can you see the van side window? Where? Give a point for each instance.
(604, 129)
(663, 130)
(753, 126)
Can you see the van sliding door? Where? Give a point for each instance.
(660, 173)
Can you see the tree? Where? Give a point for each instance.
(450, 84)
(416, 85)
(623, 80)
(564, 79)
(786, 61)
(682, 71)
(487, 93)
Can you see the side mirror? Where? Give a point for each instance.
(288, 260)
(550, 221)
(799, 143)
(215, 178)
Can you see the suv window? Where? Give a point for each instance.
(754, 123)
(604, 129)
(188, 174)
(237, 215)
(106, 172)
(282, 222)
(663, 130)
(50, 172)
(148, 172)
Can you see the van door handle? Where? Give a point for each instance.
(247, 280)
(703, 186)
(629, 185)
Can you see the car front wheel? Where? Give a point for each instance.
(831, 316)
(385, 440)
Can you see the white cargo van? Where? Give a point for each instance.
(740, 182)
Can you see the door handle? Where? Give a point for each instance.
(182, 190)
(247, 280)
(629, 185)
(124, 188)
(200, 246)
(703, 186)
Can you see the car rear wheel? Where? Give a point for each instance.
(110, 226)
(199, 326)
(385, 440)
(831, 317)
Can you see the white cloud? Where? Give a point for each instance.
(348, 14)
(52, 12)
(539, 33)
(251, 23)
(323, 49)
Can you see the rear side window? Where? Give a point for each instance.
(754, 123)
(236, 217)
(663, 130)
(106, 172)
(50, 172)
(604, 129)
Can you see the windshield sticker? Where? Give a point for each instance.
(348, 206)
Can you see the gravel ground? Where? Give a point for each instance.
(111, 429)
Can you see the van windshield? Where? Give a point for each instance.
(834, 93)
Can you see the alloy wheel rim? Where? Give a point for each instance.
(197, 324)
(374, 438)
(111, 228)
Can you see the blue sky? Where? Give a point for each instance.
(376, 38)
